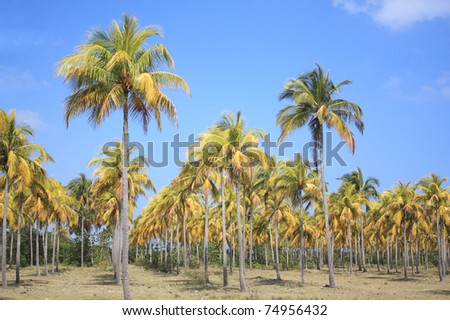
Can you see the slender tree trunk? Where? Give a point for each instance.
(240, 241)
(115, 255)
(405, 252)
(444, 251)
(232, 249)
(124, 211)
(412, 258)
(277, 260)
(82, 239)
(317, 253)
(224, 231)
(58, 233)
(396, 254)
(266, 255)
(178, 247)
(302, 239)
(184, 243)
(5, 217)
(349, 247)
(363, 257)
(205, 242)
(438, 236)
(53, 248)
(31, 245)
(250, 239)
(271, 246)
(426, 253)
(19, 226)
(38, 269)
(378, 256)
(46, 246)
(165, 248)
(417, 254)
(388, 254)
(331, 278)
(11, 247)
(171, 249)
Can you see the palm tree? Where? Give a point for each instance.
(115, 70)
(15, 162)
(437, 197)
(367, 189)
(314, 105)
(238, 150)
(79, 188)
(107, 190)
(301, 185)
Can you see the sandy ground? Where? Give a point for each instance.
(94, 283)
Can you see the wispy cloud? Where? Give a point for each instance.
(12, 79)
(438, 88)
(30, 118)
(397, 14)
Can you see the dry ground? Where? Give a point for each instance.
(94, 283)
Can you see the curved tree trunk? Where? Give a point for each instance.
(5, 211)
(124, 211)
(19, 224)
(224, 232)
(240, 241)
(331, 278)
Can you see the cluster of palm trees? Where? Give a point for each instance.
(229, 193)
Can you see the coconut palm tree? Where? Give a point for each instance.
(301, 184)
(79, 188)
(113, 70)
(107, 190)
(315, 105)
(437, 197)
(366, 189)
(16, 161)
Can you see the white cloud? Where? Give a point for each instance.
(30, 118)
(12, 79)
(397, 14)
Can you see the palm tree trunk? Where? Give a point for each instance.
(124, 211)
(417, 254)
(396, 254)
(412, 258)
(82, 239)
(266, 255)
(11, 247)
(178, 247)
(46, 246)
(31, 245)
(171, 249)
(240, 241)
(444, 251)
(271, 246)
(38, 269)
(205, 242)
(405, 252)
(426, 253)
(302, 239)
(363, 257)
(19, 225)
(53, 249)
(388, 254)
(165, 248)
(277, 260)
(184, 244)
(317, 252)
(232, 250)
(58, 233)
(250, 239)
(378, 256)
(349, 248)
(5, 211)
(438, 236)
(331, 278)
(224, 231)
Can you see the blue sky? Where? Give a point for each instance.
(236, 55)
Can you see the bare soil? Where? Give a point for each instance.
(95, 283)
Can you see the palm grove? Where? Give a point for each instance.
(231, 204)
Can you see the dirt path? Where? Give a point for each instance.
(93, 283)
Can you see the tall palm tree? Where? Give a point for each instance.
(366, 189)
(115, 70)
(15, 161)
(315, 105)
(437, 197)
(79, 188)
